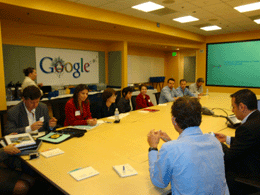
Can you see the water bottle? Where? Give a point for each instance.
(207, 91)
(116, 115)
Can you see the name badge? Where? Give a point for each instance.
(77, 113)
(41, 119)
(149, 100)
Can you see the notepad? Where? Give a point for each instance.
(84, 173)
(52, 152)
(125, 170)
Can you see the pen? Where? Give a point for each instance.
(107, 122)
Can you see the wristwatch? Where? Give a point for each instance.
(150, 149)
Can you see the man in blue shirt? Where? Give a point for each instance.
(194, 162)
(168, 93)
(182, 90)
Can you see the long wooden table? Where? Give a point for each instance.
(114, 144)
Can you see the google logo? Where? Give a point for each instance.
(59, 66)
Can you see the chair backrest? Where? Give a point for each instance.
(133, 99)
(118, 96)
(58, 110)
(157, 96)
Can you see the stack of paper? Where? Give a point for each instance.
(51, 152)
(125, 170)
(84, 173)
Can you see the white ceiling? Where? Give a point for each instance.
(214, 12)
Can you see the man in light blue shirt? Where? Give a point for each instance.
(182, 90)
(168, 93)
(197, 87)
(193, 163)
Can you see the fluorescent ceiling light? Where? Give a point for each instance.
(148, 6)
(186, 19)
(257, 21)
(248, 7)
(209, 28)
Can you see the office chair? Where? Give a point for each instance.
(157, 96)
(133, 99)
(58, 110)
(255, 182)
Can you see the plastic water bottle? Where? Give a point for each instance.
(207, 92)
(116, 115)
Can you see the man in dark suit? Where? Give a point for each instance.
(30, 115)
(242, 159)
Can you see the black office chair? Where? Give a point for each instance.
(255, 182)
(157, 96)
(94, 108)
(133, 100)
(118, 96)
(58, 110)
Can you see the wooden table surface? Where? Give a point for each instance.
(114, 144)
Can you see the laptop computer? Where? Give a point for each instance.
(33, 149)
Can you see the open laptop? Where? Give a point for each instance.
(32, 150)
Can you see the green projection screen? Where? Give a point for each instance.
(233, 64)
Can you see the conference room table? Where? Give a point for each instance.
(112, 144)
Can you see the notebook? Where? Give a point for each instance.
(84, 173)
(125, 170)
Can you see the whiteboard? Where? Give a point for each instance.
(141, 68)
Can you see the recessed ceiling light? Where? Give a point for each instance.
(209, 28)
(248, 7)
(186, 19)
(148, 6)
(257, 21)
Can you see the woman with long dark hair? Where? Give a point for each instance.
(77, 109)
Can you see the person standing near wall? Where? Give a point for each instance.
(30, 77)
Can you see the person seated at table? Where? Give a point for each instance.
(12, 181)
(107, 106)
(182, 90)
(168, 93)
(77, 109)
(193, 163)
(30, 115)
(242, 158)
(143, 100)
(124, 102)
(30, 76)
(197, 87)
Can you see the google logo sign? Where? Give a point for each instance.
(59, 66)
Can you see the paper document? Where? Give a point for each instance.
(51, 152)
(87, 127)
(125, 170)
(84, 173)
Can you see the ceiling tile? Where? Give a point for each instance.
(182, 7)
(116, 6)
(204, 3)
(163, 11)
(95, 3)
(215, 12)
(226, 11)
(201, 13)
(235, 3)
